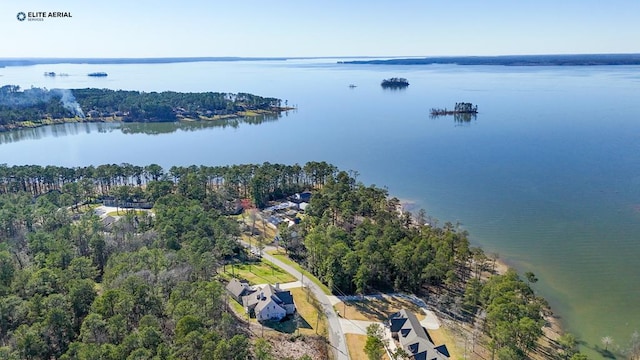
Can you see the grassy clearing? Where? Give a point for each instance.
(259, 273)
(355, 344)
(237, 308)
(280, 255)
(443, 336)
(123, 212)
(376, 310)
(312, 319)
(88, 207)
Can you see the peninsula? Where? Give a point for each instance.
(512, 60)
(37, 107)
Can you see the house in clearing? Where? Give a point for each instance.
(239, 288)
(414, 339)
(269, 303)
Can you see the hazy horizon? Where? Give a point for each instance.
(197, 28)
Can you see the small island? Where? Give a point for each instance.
(394, 83)
(462, 112)
(459, 108)
(53, 74)
(97, 74)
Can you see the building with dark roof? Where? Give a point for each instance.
(414, 338)
(269, 303)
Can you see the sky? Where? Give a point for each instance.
(304, 28)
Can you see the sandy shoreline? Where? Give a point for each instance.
(553, 328)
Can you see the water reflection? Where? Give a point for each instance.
(460, 119)
(129, 128)
(55, 131)
(167, 128)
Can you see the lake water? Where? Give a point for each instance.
(547, 175)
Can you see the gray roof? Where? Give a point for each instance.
(238, 288)
(280, 297)
(414, 338)
(108, 220)
(285, 296)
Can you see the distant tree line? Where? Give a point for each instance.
(138, 106)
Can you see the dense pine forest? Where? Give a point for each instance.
(146, 286)
(36, 105)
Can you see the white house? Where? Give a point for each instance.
(269, 303)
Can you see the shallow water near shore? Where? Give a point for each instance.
(547, 174)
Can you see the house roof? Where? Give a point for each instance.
(237, 287)
(265, 295)
(285, 296)
(414, 338)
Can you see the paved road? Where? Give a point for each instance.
(337, 339)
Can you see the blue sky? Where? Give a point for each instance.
(257, 28)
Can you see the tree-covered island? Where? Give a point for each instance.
(459, 108)
(394, 82)
(36, 107)
(149, 284)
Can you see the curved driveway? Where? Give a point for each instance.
(337, 339)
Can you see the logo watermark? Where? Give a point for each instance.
(42, 15)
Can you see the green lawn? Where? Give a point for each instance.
(123, 212)
(309, 320)
(237, 307)
(278, 254)
(259, 273)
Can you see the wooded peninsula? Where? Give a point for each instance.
(37, 107)
(148, 285)
(513, 60)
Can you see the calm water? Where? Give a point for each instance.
(547, 175)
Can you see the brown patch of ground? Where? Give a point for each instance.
(376, 310)
(286, 346)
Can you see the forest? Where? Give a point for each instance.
(37, 105)
(147, 288)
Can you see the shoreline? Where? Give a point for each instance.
(119, 119)
(552, 328)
